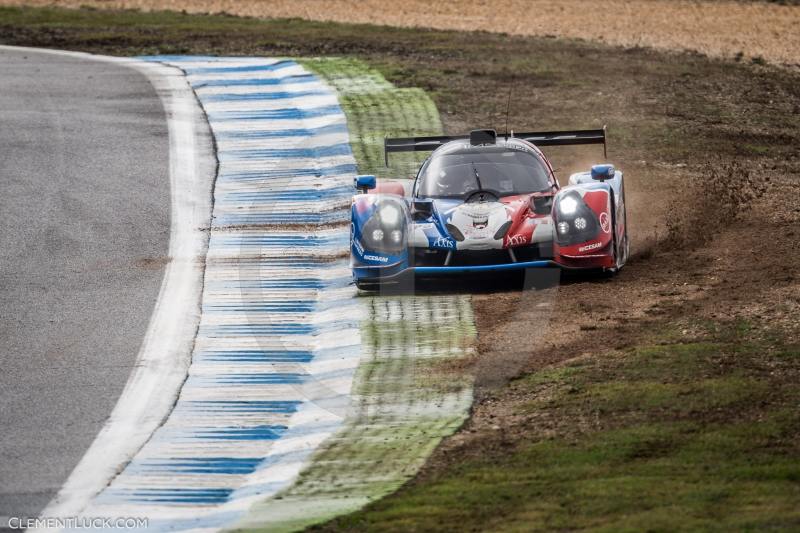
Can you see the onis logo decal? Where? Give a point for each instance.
(605, 222)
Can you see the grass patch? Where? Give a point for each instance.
(677, 434)
(376, 109)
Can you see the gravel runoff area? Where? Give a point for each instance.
(759, 31)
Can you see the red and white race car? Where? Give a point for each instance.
(486, 203)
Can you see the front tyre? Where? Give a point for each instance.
(621, 250)
(624, 249)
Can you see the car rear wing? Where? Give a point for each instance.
(541, 138)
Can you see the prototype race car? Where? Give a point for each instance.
(484, 203)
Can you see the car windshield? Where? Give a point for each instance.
(502, 171)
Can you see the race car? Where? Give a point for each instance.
(483, 203)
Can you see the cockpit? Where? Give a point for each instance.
(498, 170)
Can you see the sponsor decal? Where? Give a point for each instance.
(475, 233)
(479, 211)
(605, 223)
(359, 248)
(444, 242)
(518, 148)
(593, 246)
(480, 223)
(516, 240)
(378, 258)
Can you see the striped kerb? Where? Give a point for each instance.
(279, 340)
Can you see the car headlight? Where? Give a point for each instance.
(385, 231)
(389, 214)
(575, 221)
(568, 205)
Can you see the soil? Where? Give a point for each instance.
(761, 30)
(746, 271)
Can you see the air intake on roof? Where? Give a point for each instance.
(478, 137)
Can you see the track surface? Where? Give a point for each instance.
(85, 203)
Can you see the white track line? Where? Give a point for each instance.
(163, 360)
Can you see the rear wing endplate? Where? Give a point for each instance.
(541, 138)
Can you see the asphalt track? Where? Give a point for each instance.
(85, 203)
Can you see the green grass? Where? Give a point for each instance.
(376, 109)
(699, 434)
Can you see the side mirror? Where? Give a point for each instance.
(603, 172)
(364, 183)
(422, 208)
(542, 205)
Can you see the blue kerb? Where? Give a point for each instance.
(319, 172)
(296, 195)
(259, 379)
(283, 153)
(255, 97)
(272, 133)
(205, 465)
(301, 283)
(253, 82)
(282, 307)
(290, 113)
(178, 495)
(328, 217)
(278, 240)
(238, 330)
(193, 71)
(256, 356)
(246, 433)
(242, 406)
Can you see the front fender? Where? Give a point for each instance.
(365, 255)
(587, 205)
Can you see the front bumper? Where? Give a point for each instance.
(532, 257)
(375, 275)
(466, 269)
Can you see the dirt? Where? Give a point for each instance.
(152, 263)
(746, 271)
(754, 30)
(714, 220)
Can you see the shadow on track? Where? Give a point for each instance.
(532, 279)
